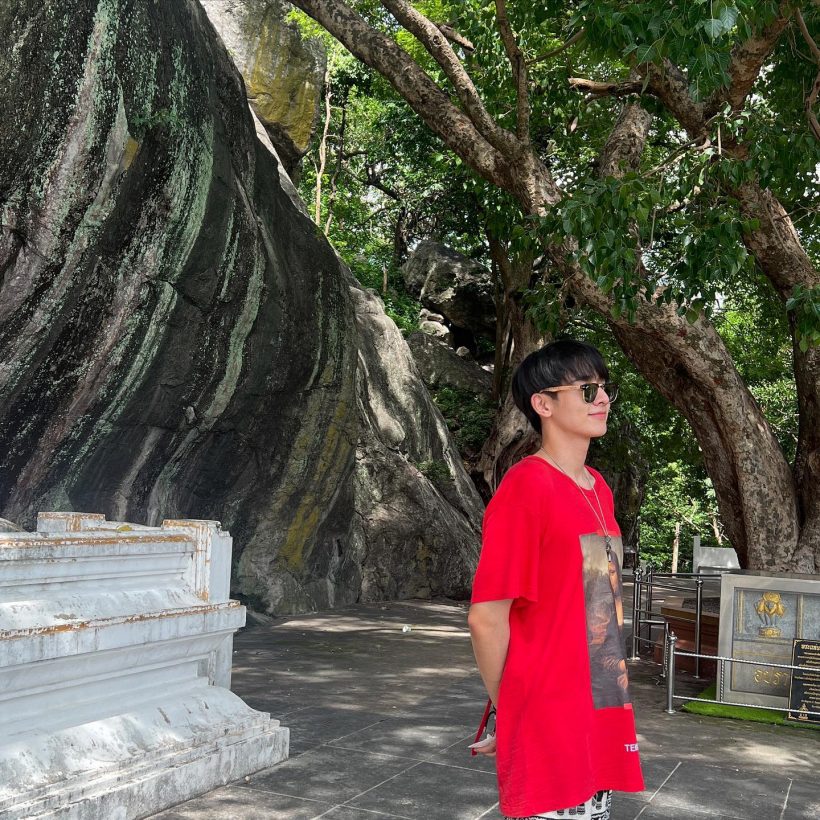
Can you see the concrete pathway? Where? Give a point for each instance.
(380, 717)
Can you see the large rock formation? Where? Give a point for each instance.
(176, 337)
(453, 285)
(283, 71)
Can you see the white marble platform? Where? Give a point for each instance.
(115, 655)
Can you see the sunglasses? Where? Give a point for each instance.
(590, 390)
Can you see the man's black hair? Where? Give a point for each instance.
(560, 362)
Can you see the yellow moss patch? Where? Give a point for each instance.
(130, 151)
(302, 530)
(279, 85)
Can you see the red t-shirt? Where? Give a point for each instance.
(565, 727)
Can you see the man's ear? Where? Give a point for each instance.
(541, 404)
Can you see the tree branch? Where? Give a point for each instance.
(455, 37)
(320, 170)
(624, 146)
(775, 244)
(431, 37)
(669, 84)
(519, 70)
(604, 89)
(430, 102)
(374, 180)
(702, 144)
(815, 90)
(576, 38)
(747, 60)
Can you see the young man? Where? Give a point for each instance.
(547, 616)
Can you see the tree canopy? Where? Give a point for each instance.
(660, 161)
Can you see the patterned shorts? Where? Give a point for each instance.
(596, 808)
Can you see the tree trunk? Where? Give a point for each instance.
(511, 436)
(320, 170)
(400, 244)
(676, 547)
(777, 249)
(691, 367)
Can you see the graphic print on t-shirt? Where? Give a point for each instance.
(605, 620)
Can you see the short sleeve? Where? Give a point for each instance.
(510, 550)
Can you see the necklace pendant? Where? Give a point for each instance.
(608, 544)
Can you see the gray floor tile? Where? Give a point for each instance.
(722, 791)
(659, 811)
(327, 774)
(406, 737)
(347, 813)
(314, 725)
(263, 700)
(804, 798)
(625, 807)
(656, 772)
(232, 803)
(431, 792)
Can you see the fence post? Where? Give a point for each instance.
(721, 677)
(665, 660)
(648, 613)
(670, 677)
(637, 576)
(698, 616)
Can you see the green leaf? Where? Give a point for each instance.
(713, 27)
(728, 16)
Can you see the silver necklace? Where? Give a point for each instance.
(601, 518)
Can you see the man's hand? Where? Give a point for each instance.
(485, 746)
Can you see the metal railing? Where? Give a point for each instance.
(669, 658)
(643, 615)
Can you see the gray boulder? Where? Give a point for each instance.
(441, 366)
(448, 283)
(177, 340)
(435, 330)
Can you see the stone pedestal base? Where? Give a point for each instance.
(115, 658)
(140, 762)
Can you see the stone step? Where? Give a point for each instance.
(47, 675)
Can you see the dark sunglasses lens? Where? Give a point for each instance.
(591, 391)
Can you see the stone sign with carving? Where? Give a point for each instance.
(761, 615)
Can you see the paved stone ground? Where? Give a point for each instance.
(380, 719)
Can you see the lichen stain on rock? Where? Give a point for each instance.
(324, 464)
(280, 89)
